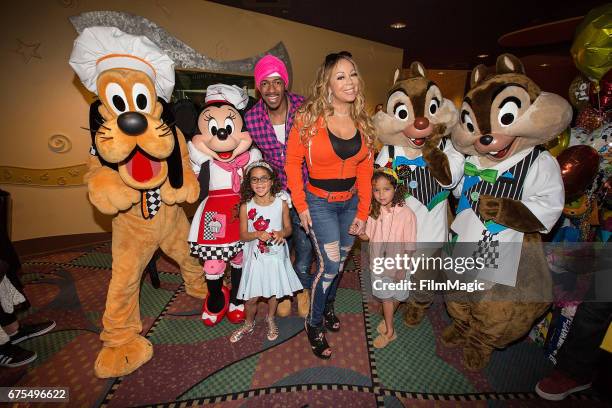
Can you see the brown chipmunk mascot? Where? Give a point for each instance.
(413, 125)
(511, 192)
(139, 170)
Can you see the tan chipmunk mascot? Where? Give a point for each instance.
(139, 170)
(511, 193)
(413, 126)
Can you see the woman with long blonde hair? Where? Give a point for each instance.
(333, 134)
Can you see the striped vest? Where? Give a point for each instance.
(509, 184)
(419, 182)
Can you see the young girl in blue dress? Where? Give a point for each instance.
(264, 225)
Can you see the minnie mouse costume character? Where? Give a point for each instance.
(218, 155)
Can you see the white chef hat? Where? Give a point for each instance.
(98, 49)
(227, 93)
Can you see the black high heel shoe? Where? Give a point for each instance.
(317, 340)
(332, 323)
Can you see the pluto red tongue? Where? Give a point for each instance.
(142, 170)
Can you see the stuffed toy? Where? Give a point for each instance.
(219, 153)
(139, 171)
(511, 193)
(412, 126)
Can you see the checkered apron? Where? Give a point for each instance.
(219, 229)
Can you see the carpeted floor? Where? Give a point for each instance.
(196, 365)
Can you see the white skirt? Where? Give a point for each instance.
(267, 275)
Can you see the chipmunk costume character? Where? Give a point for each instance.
(412, 127)
(219, 154)
(512, 191)
(139, 170)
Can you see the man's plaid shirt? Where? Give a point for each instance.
(260, 128)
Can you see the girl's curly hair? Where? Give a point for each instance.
(247, 193)
(398, 198)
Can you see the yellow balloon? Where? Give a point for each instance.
(592, 47)
(559, 143)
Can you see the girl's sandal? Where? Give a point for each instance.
(317, 340)
(383, 341)
(245, 329)
(382, 327)
(272, 329)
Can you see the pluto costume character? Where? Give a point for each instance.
(139, 170)
(218, 155)
(512, 191)
(412, 126)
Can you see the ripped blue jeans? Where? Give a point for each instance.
(332, 243)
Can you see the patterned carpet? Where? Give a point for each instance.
(194, 365)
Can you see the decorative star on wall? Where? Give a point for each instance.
(28, 50)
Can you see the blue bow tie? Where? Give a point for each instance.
(419, 161)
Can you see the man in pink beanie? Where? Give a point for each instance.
(270, 67)
(269, 122)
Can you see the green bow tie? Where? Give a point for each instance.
(488, 175)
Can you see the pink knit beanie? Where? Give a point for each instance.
(269, 65)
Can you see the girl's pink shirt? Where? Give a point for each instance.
(397, 225)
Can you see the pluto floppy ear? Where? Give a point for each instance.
(508, 63)
(95, 122)
(186, 116)
(478, 75)
(417, 70)
(175, 165)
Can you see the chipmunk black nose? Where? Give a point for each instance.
(222, 134)
(486, 140)
(132, 123)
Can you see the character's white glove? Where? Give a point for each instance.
(196, 158)
(283, 195)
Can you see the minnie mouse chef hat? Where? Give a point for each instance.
(231, 94)
(98, 49)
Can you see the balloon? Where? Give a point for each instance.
(576, 208)
(592, 46)
(579, 92)
(608, 192)
(590, 119)
(579, 166)
(601, 100)
(559, 143)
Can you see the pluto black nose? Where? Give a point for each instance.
(222, 134)
(486, 140)
(132, 123)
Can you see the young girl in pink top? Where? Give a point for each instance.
(391, 230)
